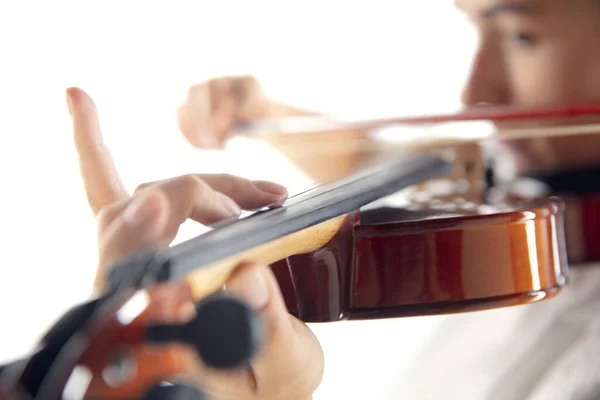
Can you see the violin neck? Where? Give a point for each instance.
(302, 224)
(205, 280)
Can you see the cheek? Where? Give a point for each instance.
(544, 82)
(556, 76)
(591, 84)
(576, 77)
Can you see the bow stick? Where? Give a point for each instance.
(324, 123)
(418, 132)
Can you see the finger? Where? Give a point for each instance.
(102, 182)
(223, 122)
(153, 217)
(177, 200)
(291, 349)
(248, 194)
(221, 107)
(130, 226)
(251, 99)
(184, 197)
(200, 111)
(189, 196)
(203, 198)
(194, 117)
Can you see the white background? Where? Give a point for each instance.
(137, 60)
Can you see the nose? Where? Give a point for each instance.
(488, 80)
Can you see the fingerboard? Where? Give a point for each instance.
(310, 208)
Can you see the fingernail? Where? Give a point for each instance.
(250, 285)
(142, 210)
(270, 187)
(230, 206)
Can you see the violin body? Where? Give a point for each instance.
(438, 264)
(448, 248)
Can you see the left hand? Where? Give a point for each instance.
(204, 198)
(290, 365)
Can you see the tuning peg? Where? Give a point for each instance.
(225, 332)
(174, 392)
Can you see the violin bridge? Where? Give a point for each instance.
(465, 184)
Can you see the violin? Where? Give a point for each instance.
(447, 257)
(337, 255)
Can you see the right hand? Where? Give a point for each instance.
(290, 364)
(212, 109)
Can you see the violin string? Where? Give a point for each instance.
(289, 200)
(299, 196)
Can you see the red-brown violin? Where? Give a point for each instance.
(336, 255)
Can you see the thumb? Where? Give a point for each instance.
(292, 353)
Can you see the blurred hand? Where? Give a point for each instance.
(290, 365)
(214, 108)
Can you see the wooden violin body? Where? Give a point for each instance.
(442, 251)
(433, 265)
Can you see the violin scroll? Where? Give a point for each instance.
(145, 344)
(168, 340)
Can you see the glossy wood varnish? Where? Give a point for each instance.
(430, 266)
(582, 224)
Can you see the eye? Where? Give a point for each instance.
(522, 39)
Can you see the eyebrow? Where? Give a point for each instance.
(520, 8)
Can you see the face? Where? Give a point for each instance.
(537, 53)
